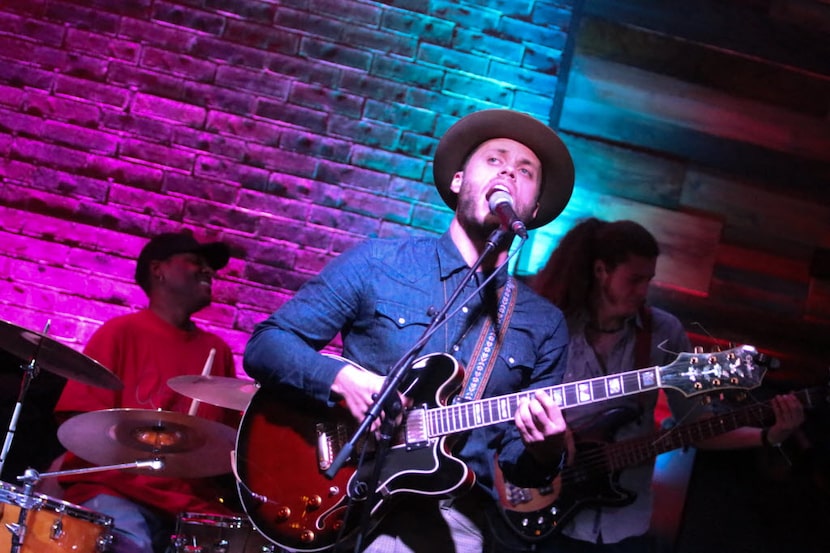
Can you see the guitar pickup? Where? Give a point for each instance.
(325, 452)
(416, 432)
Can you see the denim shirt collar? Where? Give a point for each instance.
(451, 262)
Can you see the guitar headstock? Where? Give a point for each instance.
(741, 367)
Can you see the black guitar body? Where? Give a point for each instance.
(591, 479)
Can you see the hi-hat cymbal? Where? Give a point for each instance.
(224, 391)
(190, 447)
(55, 357)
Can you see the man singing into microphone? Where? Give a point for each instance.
(494, 168)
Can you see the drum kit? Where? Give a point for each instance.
(167, 443)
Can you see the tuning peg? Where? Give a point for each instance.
(698, 349)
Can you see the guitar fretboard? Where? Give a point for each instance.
(476, 414)
(620, 455)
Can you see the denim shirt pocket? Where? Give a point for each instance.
(400, 325)
(520, 362)
(402, 316)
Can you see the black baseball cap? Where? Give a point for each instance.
(168, 244)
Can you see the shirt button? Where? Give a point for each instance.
(465, 309)
(401, 320)
(456, 348)
(511, 360)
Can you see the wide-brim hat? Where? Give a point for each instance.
(163, 246)
(469, 132)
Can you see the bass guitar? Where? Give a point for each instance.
(591, 478)
(285, 443)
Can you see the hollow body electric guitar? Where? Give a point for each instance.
(285, 444)
(591, 477)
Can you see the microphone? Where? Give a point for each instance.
(501, 205)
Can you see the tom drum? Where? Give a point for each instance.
(52, 525)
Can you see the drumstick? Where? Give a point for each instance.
(205, 372)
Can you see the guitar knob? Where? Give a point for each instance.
(307, 536)
(283, 513)
(314, 501)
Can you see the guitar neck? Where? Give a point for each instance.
(629, 453)
(460, 417)
(690, 373)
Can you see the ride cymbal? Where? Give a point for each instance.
(224, 391)
(190, 447)
(55, 357)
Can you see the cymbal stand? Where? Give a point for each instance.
(29, 373)
(28, 500)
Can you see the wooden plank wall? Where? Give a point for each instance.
(709, 122)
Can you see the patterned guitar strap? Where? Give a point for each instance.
(487, 347)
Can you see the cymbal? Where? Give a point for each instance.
(191, 447)
(224, 391)
(55, 357)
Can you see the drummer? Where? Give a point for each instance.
(145, 349)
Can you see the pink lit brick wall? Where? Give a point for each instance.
(289, 129)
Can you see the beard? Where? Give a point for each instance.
(466, 212)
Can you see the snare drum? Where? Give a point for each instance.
(202, 533)
(52, 525)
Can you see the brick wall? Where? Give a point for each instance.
(289, 129)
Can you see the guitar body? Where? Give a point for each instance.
(587, 480)
(591, 477)
(286, 443)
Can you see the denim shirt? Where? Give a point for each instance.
(380, 296)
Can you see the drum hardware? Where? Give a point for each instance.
(207, 533)
(44, 352)
(74, 529)
(187, 446)
(222, 391)
(50, 355)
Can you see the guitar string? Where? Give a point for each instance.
(601, 458)
(449, 417)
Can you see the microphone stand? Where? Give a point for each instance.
(387, 400)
